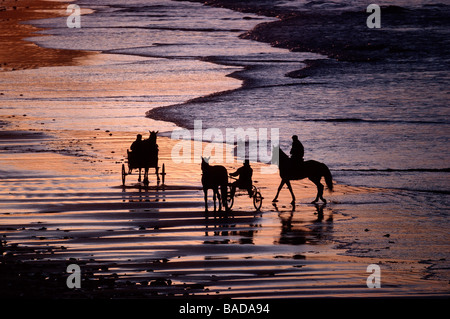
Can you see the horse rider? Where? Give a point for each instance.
(297, 150)
(244, 181)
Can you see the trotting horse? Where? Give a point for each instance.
(214, 177)
(309, 169)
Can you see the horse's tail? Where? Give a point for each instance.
(328, 178)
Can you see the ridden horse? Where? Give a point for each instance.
(290, 170)
(149, 153)
(214, 177)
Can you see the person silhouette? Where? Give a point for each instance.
(297, 150)
(244, 181)
(136, 146)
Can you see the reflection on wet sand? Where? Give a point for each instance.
(138, 241)
(143, 194)
(226, 229)
(295, 231)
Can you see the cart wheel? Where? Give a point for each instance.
(230, 199)
(163, 173)
(124, 174)
(257, 200)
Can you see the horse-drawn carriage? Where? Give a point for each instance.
(255, 195)
(215, 177)
(144, 155)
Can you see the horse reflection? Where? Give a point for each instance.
(225, 230)
(300, 232)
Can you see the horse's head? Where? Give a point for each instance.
(152, 137)
(205, 163)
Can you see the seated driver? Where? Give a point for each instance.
(245, 179)
(136, 146)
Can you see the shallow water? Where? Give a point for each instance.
(388, 117)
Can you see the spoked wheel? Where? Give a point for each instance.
(230, 199)
(124, 174)
(257, 198)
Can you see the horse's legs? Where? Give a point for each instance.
(139, 179)
(146, 176)
(224, 195)
(219, 199)
(214, 198)
(288, 183)
(321, 193)
(317, 183)
(279, 189)
(320, 188)
(205, 192)
(157, 173)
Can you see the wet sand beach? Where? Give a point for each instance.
(141, 242)
(63, 202)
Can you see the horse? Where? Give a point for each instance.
(149, 156)
(293, 171)
(214, 177)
